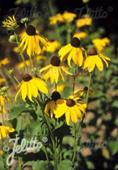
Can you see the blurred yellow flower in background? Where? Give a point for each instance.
(30, 87)
(62, 18)
(101, 43)
(60, 87)
(68, 16)
(40, 57)
(1, 152)
(3, 101)
(95, 59)
(31, 42)
(72, 51)
(72, 110)
(54, 71)
(80, 35)
(5, 130)
(10, 23)
(4, 62)
(84, 21)
(23, 64)
(53, 20)
(52, 46)
(2, 81)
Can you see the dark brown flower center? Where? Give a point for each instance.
(55, 61)
(0, 124)
(27, 77)
(55, 95)
(70, 102)
(92, 51)
(75, 42)
(85, 88)
(31, 30)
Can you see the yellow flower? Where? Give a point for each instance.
(61, 18)
(2, 81)
(100, 43)
(80, 35)
(3, 101)
(72, 110)
(23, 64)
(31, 42)
(68, 16)
(4, 62)
(60, 87)
(30, 87)
(52, 46)
(10, 23)
(85, 21)
(95, 59)
(54, 71)
(51, 105)
(41, 57)
(1, 152)
(58, 18)
(72, 51)
(5, 130)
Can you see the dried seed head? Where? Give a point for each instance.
(70, 102)
(55, 61)
(92, 51)
(31, 30)
(75, 42)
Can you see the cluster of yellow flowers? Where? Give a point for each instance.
(73, 54)
(62, 18)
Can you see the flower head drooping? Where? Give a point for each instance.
(5, 130)
(101, 43)
(72, 51)
(84, 21)
(31, 42)
(71, 108)
(54, 71)
(95, 59)
(10, 23)
(30, 87)
(51, 105)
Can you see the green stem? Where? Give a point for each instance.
(77, 133)
(68, 33)
(87, 96)
(54, 144)
(22, 56)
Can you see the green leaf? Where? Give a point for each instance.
(18, 109)
(41, 165)
(2, 166)
(65, 165)
(115, 104)
(90, 165)
(114, 146)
